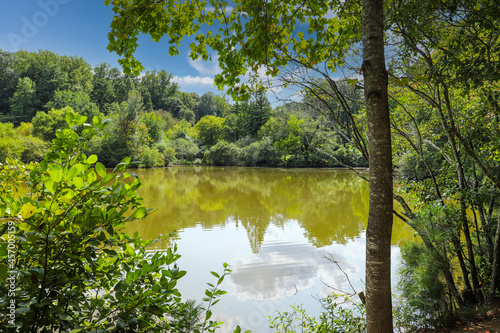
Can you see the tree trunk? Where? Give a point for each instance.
(378, 233)
(495, 275)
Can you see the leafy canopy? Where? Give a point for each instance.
(245, 34)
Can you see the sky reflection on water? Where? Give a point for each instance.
(273, 227)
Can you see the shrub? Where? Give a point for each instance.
(167, 153)
(336, 317)
(260, 153)
(150, 157)
(67, 265)
(185, 150)
(222, 153)
(34, 149)
(10, 145)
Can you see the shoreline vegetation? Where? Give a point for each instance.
(446, 157)
(152, 121)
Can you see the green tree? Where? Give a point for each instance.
(78, 101)
(52, 72)
(103, 91)
(127, 136)
(24, 101)
(160, 87)
(207, 106)
(155, 126)
(448, 64)
(46, 124)
(209, 130)
(261, 40)
(8, 80)
(10, 146)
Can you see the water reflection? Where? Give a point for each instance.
(273, 226)
(330, 205)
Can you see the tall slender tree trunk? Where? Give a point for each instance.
(495, 275)
(378, 233)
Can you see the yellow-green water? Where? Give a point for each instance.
(273, 226)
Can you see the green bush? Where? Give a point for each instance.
(10, 145)
(150, 157)
(222, 153)
(422, 286)
(167, 153)
(260, 153)
(350, 156)
(411, 165)
(46, 124)
(66, 265)
(186, 151)
(336, 317)
(34, 149)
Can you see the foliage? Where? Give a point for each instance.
(335, 317)
(160, 88)
(154, 124)
(167, 153)
(150, 157)
(73, 268)
(9, 146)
(20, 144)
(46, 124)
(24, 101)
(185, 150)
(79, 101)
(424, 291)
(422, 276)
(260, 153)
(245, 46)
(222, 153)
(209, 130)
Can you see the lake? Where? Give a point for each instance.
(274, 227)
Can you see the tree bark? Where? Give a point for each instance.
(378, 233)
(495, 275)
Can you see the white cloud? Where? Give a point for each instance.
(194, 80)
(210, 67)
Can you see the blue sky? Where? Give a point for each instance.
(80, 28)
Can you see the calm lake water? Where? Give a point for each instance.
(274, 227)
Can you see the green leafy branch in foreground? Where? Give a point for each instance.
(336, 316)
(71, 268)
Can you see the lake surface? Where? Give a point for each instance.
(274, 227)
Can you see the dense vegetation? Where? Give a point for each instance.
(445, 117)
(153, 121)
(65, 262)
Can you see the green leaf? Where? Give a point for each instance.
(80, 119)
(79, 183)
(92, 159)
(97, 121)
(108, 178)
(56, 172)
(64, 316)
(70, 119)
(75, 170)
(76, 330)
(140, 213)
(51, 185)
(28, 210)
(3, 271)
(100, 169)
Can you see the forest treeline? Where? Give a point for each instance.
(152, 121)
(445, 120)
